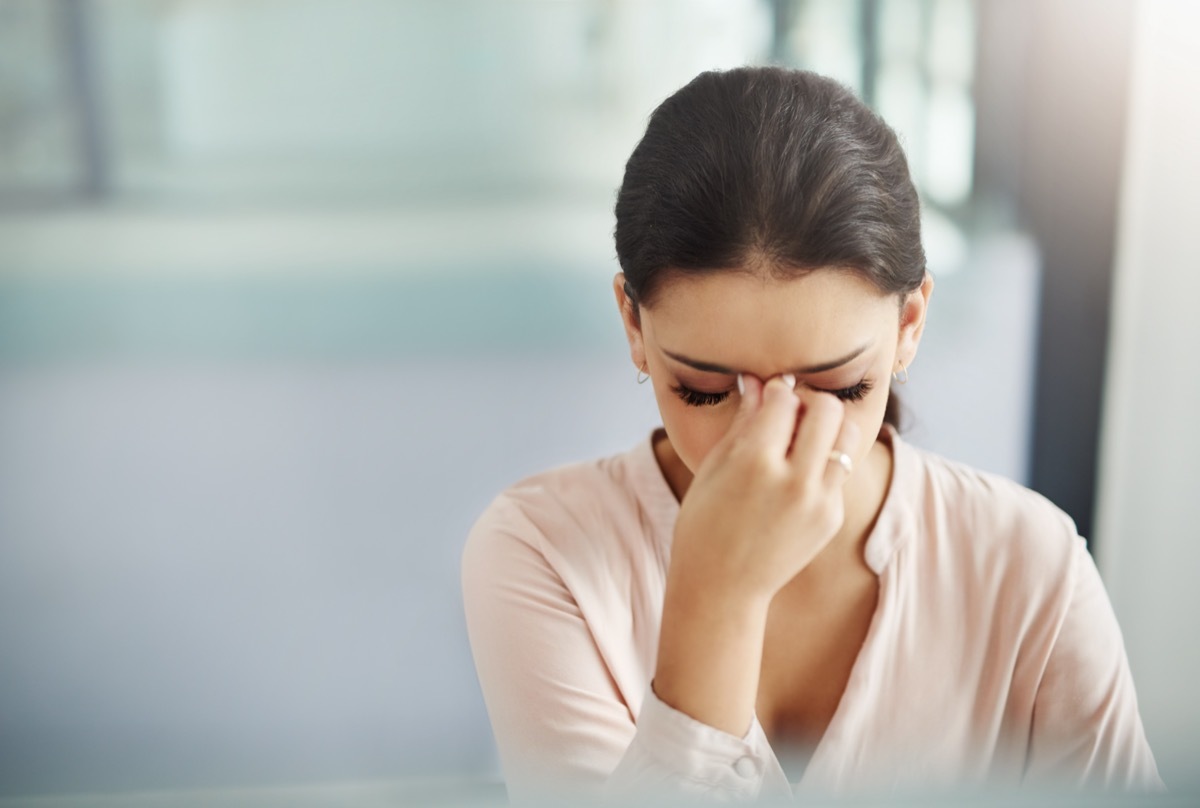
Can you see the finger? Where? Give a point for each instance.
(816, 433)
(849, 440)
(751, 397)
(771, 426)
(750, 388)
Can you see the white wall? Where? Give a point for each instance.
(1148, 517)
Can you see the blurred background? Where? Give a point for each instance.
(290, 289)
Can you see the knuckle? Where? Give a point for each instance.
(805, 489)
(755, 462)
(748, 455)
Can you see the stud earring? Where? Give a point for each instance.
(901, 376)
(640, 380)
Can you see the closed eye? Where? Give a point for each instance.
(855, 392)
(696, 398)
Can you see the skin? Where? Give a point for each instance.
(768, 596)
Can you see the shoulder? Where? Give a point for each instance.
(990, 526)
(576, 518)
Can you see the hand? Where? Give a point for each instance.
(767, 498)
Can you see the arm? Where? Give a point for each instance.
(560, 722)
(764, 502)
(1086, 727)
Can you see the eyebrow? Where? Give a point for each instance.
(712, 367)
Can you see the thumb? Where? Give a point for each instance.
(750, 388)
(751, 392)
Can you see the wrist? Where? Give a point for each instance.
(709, 657)
(718, 597)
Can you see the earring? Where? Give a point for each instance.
(901, 376)
(640, 380)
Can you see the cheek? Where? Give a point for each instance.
(867, 415)
(695, 430)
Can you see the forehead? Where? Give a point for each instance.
(752, 320)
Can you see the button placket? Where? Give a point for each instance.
(746, 767)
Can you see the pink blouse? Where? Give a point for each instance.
(993, 658)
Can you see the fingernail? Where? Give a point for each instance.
(790, 380)
(741, 385)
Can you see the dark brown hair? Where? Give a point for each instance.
(763, 169)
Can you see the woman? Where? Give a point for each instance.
(773, 592)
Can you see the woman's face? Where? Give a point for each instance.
(832, 328)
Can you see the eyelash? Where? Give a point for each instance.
(694, 398)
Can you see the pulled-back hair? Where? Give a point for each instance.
(767, 170)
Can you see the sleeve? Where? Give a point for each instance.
(676, 755)
(1086, 729)
(560, 723)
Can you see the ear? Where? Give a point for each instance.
(629, 318)
(912, 321)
